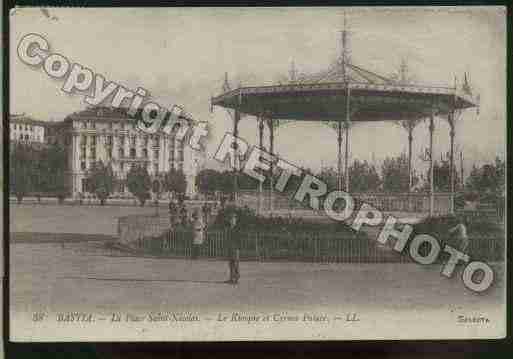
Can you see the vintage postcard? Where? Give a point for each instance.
(232, 174)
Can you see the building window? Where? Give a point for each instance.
(93, 141)
(109, 140)
(145, 152)
(155, 168)
(83, 165)
(132, 153)
(156, 154)
(132, 141)
(146, 141)
(120, 152)
(26, 137)
(155, 141)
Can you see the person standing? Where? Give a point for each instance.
(205, 209)
(183, 215)
(198, 227)
(173, 214)
(233, 249)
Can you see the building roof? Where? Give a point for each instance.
(342, 71)
(25, 119)
(116, 114)
(103, 113)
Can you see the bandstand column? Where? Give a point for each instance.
(339, 155)
(431, 171)
(347, 125)
(271, 151)
(261, 146)
(452, 133)
(236, 120)
(410, 141)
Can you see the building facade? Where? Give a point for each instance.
(23, 128)
(111, 136)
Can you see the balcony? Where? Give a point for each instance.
(130, 159)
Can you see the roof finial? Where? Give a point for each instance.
(292, 71)
(403, 72)
(226, 84)
(345, 51)
(466, 85)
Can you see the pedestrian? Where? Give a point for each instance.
(233, 249)
(459, 234)
(173, 212)
(198, 227)
(205, 209)
(183, 215)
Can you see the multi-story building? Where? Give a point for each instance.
(111, 136)
(23, 128)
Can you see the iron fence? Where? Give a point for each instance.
(318, 247)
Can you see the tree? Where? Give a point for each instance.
(175, 182)
(207, 181)
(139, 183)
(101, 180)
(329, 176)
(394, 174)
(489, 179)
(20, 181)
(362, 177)
(38, 169)
(22, 170)
(52, 171)
(225, 185)
(442, 177)
(246, 182)
(214, 181)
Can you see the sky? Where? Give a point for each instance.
(181, 55)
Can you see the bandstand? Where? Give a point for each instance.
(346, 94)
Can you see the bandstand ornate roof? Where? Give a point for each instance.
(322, 96)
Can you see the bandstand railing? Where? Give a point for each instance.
(388, 202)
